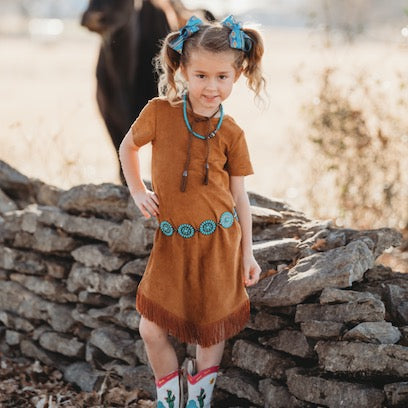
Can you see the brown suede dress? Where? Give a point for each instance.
(193, 283)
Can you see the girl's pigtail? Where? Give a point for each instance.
(252, 69)
(167, 63)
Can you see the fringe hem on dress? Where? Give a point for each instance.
(188, 332)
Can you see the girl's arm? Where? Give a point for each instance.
(251, 267)
(146, 200)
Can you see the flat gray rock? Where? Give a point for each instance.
(383, 238)
(276, 204)
(115, 343)
(14, 338)
(135, 267)
(129, 236)
(404, 335)
(128, 318)
(3, 274)
(99, 256)
(374, 332)
(91, 227)
(87, 320)
(139, 377)
(97, 280)
(14, 181)
(62, 343)
(363, 359)
(397, 394)
(14, 322)
(284, 249)
(317, 329)
(60, 317)
(262, 215)
(95, 299)
(333, 393)
(45, 240)
(289, 228)
(266, 363)
(322, 241)
(22, 261)
(112, 314)
(334, 295)
(6, 203)
(237, 383)
(396, 297)
(278, 396)
(380, 273)
(132, 237)
(46, 287)
(293, 342)
(26, 304)
(338, 267)
(46, 194)
(31, 349)
(101, 199)
(351, 312)
(84, 376)
(263, 321)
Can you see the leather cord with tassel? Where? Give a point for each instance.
(184, 176)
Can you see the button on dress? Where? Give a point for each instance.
(193, 283)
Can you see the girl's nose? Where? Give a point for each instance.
(211, 84)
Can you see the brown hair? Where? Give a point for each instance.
(212, 37)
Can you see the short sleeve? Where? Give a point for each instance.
(239, 163)
(144, 127)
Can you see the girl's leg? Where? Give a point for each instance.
(161, 353)
(209, 356)
(163, 360)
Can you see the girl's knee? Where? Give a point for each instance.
(151, 332)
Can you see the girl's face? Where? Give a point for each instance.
(210, 78)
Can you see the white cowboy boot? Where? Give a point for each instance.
(170, 391)
(200, 386)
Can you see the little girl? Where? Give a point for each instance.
(202, 259)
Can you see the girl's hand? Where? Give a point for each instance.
(251, 270)
(147, 202)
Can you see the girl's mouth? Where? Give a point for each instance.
(210, 98)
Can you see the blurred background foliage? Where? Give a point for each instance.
(360, 139)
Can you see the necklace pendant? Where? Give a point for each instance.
(212, 134)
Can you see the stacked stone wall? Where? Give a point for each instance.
(328, 327)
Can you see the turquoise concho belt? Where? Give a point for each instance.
(207, 227)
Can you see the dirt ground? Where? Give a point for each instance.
(27, 384)
(50, 127)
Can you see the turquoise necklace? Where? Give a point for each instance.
(213, 133)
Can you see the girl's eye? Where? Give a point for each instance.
(223, 77)
(201, 76)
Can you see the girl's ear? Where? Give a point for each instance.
(183, 71)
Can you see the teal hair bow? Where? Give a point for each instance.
(237, 38)
(191, 27)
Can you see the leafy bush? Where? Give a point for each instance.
(360, 138)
